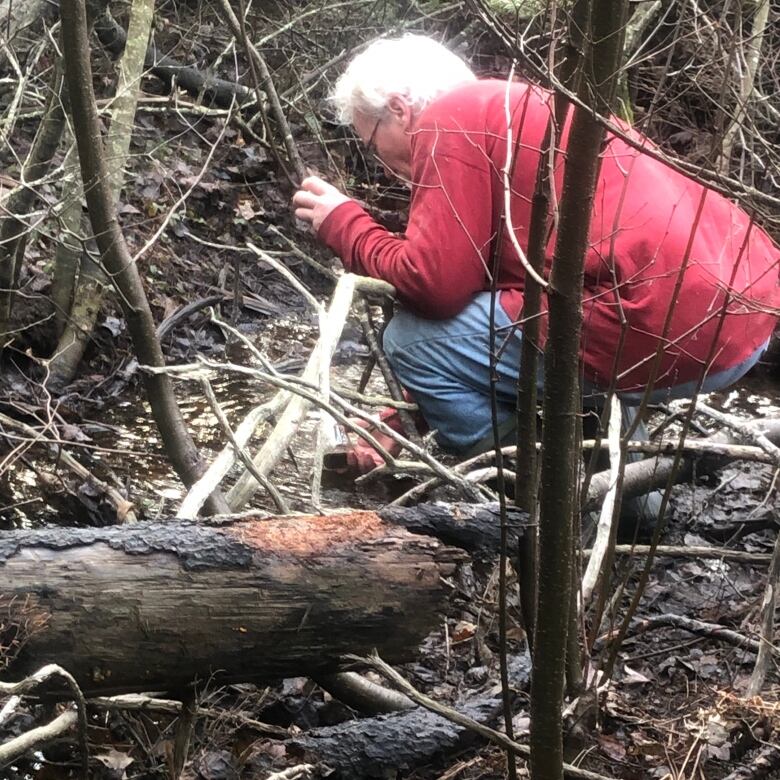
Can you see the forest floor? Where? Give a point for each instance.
(674, 708)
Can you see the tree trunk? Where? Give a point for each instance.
(115, 255)
(151, 605)
(560, 454)
(92, 282)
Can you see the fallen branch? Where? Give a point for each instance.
(139, 702)
(607, 514)
(38, 736)
(212, 91)
(768, 604)
(125, 512)
(697, 627)
(716, 553)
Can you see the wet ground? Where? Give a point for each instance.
(673, 710)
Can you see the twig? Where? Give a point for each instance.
(698, 627)
(124, 508)
(747, 430)
(387, 372)
(141, 702)
(376, 663)
(264, 83)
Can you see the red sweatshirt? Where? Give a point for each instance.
(643, 231)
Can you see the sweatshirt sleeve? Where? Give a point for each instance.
(441, 261)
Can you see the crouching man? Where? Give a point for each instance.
(672, 268)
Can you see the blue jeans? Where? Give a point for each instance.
(445, 365)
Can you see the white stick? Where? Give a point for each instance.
(291, 418)
(37, 736)
(604, 530)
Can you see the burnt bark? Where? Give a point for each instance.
(377, 747)
(156, 606)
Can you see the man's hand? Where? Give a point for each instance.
(315, 200)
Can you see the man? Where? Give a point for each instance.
(672, 268)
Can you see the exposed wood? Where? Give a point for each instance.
(154, 606)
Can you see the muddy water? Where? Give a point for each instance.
(124, 447)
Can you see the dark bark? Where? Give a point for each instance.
(115, 255)
(560, 453)
(155, 606)
(472, 527)
(211, 91)
(380, 747)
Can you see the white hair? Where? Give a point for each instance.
(414, 67)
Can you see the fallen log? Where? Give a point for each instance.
(155, 606)
(402, 741)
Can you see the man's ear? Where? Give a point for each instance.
(399, 108)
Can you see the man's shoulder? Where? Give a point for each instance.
(477, 101)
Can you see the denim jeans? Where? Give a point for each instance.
(445, 365)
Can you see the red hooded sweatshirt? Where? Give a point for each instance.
(645, 239)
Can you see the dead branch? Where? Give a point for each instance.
(38, 736)
(211, 91)
(124, 508)
(264, 84)
(138, 702)
(697, 627)
(242, 452)
(667, 551)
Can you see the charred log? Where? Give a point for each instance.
(372, 747)
(212, 91)
(155, 606)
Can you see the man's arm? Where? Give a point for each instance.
(441, 261)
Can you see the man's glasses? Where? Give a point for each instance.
(370, 144)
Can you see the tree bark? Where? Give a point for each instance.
(155, 606)
(92, 282)
(115, 255)
(383, 746)
(560, 454)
